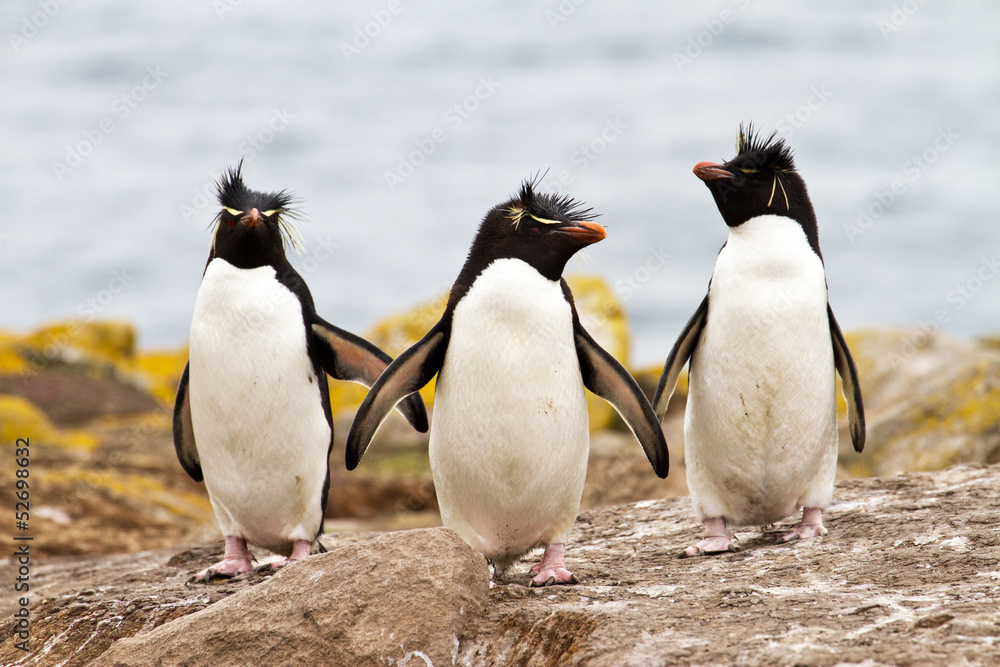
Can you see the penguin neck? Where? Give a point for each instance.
(505, 275)
(769, 252)
(252, 257)
(773, 236)
(284, 273)
(479, 262)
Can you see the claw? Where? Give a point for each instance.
(237, 560)
(271, 567)
(810, 526)
(552, 568)
(300, 549)
(717, 541)
(222, 570)
(701, 550)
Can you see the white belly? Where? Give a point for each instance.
(260, 428)
(761, 422)
(509, 437)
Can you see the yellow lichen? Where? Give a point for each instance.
(19, 418)
(603, 316)
(942, 428)
(345, 396)
(970, 405)
(143, 422)
(11, 360)
(78, 341)
(158, 372)
(138, 489)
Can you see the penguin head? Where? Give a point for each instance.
(760, 180)
(542, 230)
(252, 227)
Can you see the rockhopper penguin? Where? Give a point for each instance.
(509, 436)
(252, 416)
(761, 420)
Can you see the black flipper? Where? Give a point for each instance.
(345, 356)
(187, 451)
(849, 381)
(603, 375)
(679, 355)
(409, 372)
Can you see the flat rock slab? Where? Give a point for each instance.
(387, 600)
(909, 575)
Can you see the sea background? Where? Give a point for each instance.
(399, 124)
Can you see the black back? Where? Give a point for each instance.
(763, 180)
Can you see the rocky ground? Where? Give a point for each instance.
(909, 575)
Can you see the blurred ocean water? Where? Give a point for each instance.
(400, 124)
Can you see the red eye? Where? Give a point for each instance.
(230, 223)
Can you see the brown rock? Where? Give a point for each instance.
(907, 576)
(126, 493)
(931, 401)
(80, 606)
(393, 598)
(71, 397)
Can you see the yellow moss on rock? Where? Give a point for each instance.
(159, 371)
(11, 359)
(138, 489)
(970, 405)
(101, 344)
(19, 418)
(931, 401)
(77, 341)
(345, 396)
(603, 315)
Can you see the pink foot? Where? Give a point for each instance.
(810, 526)
(552, 569)
(717, 540)
(235, 561)
(300, 549)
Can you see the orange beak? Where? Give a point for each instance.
(710, 171)
(586, 232)
(252, 219)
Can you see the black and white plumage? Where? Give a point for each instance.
(509, 436)
(252, 416)
(764, 347)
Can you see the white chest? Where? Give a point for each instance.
(767, 299)
(260, 428)
(509, 436)
(512, 346)
(761, 414)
